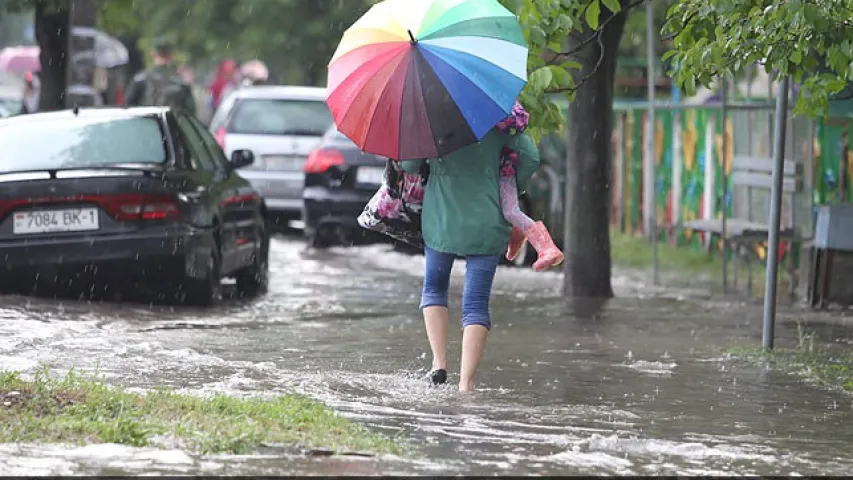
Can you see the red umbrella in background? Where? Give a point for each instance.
(20, 59)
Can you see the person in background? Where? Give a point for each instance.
(202, 112)
(32, 91)
(227, 79)
(254, 72)
(161, 85)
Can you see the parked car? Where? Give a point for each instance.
(125, 195)
(281, 125)
(339, 181)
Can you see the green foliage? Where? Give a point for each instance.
(547, 26)
(811, 40)
(295, 38)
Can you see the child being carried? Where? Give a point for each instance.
(523, 227)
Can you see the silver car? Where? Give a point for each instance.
(281, 125)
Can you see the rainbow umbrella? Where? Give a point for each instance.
(420, 79)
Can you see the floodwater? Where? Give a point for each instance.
(637, 385)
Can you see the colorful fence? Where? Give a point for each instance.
(689, 168)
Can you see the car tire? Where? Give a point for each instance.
(318, 241)
(254, 280)
(207, 291)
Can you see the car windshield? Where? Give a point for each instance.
(80, 143)
(281, 117)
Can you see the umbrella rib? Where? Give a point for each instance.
(402, 64)
(451, 10)
(425, 69)
(442, 55)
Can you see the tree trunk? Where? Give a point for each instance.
(587, 266)
(52, 35)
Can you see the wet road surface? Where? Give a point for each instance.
(633, 386)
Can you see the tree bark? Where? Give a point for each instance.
(587, 267)
(52, 35)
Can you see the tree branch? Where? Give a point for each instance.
(595, 37)
(560, 57)
(589, 75)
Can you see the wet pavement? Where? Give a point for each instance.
(636, 385)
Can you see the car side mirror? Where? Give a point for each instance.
(242, 158)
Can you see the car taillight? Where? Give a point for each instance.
(120, 207)
(220, 137)
(323, 159)
(141, 207)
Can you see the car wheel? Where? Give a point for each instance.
(318, 241)
(254, 280)
(207, 291)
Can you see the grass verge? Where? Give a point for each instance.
(830, 368)
(76, 410)
(636, 252)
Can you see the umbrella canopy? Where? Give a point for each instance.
(414, 80)
(109, 53)
(20, 59)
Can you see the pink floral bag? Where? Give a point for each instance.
(395, 209)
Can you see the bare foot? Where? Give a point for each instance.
(466, 387)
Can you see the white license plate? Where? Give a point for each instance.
(49, 221)
(369, 175)
(283, 162)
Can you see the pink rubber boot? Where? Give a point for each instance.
(549, 254)
(516, 241)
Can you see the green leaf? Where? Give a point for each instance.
(796, 57)
(612, 5)
(540, 79)
(560, 77)
(593, 13)
(537, 36)
(571, 64)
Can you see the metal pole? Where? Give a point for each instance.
(725, 115)
(650, 134)
(775, 213)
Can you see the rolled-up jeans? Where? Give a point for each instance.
(479, 276)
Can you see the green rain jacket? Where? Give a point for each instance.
(462, 211)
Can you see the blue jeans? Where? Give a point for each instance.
(479, 275)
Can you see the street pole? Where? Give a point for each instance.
(650, 138)
(80, 63)
(725, 115)
(775, 213)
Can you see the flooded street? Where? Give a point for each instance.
(635, 386)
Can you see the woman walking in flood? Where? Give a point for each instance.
(462, 216)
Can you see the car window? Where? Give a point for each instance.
(200, 156)
(281, 117)
(216, 153)
(80, 142)
(221, 114)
